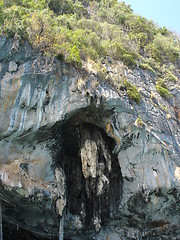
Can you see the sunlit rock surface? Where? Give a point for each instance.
(73, 153)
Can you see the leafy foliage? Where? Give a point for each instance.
(163, 49)
(146, 66)
(78, 31)
(132, 92)
(161, 88)
(87, 29)
(171, 77)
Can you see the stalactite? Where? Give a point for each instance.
(61, 228)
(1, 230)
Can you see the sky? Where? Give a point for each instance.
(163, 12)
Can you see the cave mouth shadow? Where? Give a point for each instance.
(82, 197)
(12, 231)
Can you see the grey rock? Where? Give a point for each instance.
(74, 151)
(12, 66)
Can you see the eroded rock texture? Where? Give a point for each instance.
(74, 157)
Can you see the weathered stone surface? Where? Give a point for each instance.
(72, 149)
(13, 67)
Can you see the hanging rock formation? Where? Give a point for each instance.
(73, 152)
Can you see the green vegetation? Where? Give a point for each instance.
(139, 122)
(146, 66)
(161, 88)
(81, 30)
(163, 49)
(78, 31)
(132, 92)
(171, 77)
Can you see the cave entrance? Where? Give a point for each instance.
(93, 176)
(93, 179)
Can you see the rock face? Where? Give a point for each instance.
(75, 156)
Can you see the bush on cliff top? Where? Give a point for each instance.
(80, 30)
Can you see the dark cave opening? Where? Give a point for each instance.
(15, 232)
(82, 197)
(14, 227)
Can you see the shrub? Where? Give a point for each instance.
(73, 55)
(163, 49)
(161, 83)
(42, 31)
(117, 49)
(1, 13)
(162, 89)
(163, 31)
(141, 30)
(81, 30)
(146, 66)
(171, 77)
(139, 122)
(91, 53)
(61, 6)
(128, 59)
(154, 52)
(132, 92)
(10, 26)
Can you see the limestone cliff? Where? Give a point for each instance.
(78, 158)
